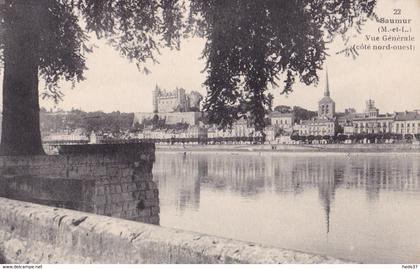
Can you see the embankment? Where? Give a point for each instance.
(345, 148)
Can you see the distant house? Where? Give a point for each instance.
(95, 138)
(197, 132)
(282, 121)
(407, 123)
(316, 126)
(367, 122)
(270, 133)
(66, 138)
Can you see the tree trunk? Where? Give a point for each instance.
(20, 127)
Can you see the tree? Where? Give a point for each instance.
(408, 137)
(251, 43)
(45, 38)
(283, 109)
(137, 127)
(303, 114)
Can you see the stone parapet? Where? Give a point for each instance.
(31, 233)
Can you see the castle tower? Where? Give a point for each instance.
(181, 99)
(326, 106)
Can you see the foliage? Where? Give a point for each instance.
(283, 109)
(408, 137)
(299, 112)
(341, 137)
(98, 121)
(137, 127)
(249, 44)
(303, 114)
(137, 29)
(252, 44)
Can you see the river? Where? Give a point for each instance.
(362, 207)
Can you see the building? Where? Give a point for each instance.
(407, 123)
(325, 123)
(368, 122)
(171, 118)
(282, 121)
(174, 107)
(78, 136)
(373, 125)
(270, 133)
(95, 138)
(241, 128)
(175, 101)
(196, 132)
(326, 106)
(316, 127)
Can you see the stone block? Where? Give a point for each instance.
(100, 200)
(151, 185)
(155, 210)
(144, 213)
(151, 202)
(141, 195)
(118, 188)
(150, 194)
(116, 197)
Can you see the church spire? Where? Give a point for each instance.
(327, 87)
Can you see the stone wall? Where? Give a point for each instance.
(31, 233)
(111, 180)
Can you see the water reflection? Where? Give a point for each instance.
(250, 175)
(349, 218)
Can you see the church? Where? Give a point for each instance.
(325, 123)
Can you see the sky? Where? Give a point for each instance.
(392, 79)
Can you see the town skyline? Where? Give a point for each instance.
(114, 84)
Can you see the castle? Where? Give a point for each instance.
(174, 106)
(175, 101)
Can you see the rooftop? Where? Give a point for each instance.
(407, 115)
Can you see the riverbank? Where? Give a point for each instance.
(344, 148)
